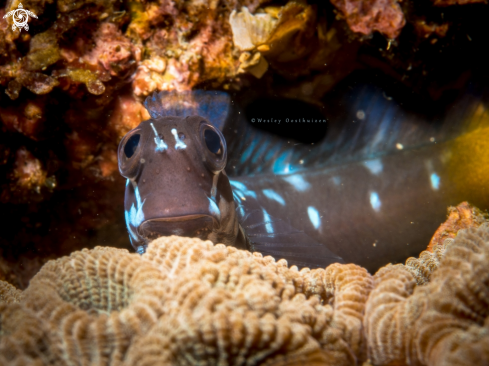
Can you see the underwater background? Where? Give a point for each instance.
(401, 93)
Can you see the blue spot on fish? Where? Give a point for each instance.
(435, 181)
(298, 182)
(270, 193)
(214, 209)
(375, 166)
(336, 181)
(247, 153)
(314, 217)
(241, 189)
(135, 216)
(268, 222)
(375, 201)
(282, 165)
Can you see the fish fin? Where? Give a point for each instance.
(364, 122)
(276, 237)
(213, 105)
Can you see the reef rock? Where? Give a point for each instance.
(463, 216)
(182, 302)
(384, 16)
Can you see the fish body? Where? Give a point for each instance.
(370, 194)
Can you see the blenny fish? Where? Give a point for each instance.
(372, 192)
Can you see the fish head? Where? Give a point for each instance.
(176, 184)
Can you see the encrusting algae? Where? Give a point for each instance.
(190, 302)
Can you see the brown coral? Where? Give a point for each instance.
(186, 301)
(443, 322)
(8, 293)
(94, 302)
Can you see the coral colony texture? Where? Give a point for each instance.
(190, 302)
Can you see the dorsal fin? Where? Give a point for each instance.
(213, 105)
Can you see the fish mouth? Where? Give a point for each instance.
(193, 226)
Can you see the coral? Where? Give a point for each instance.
(384, 16)
(186, 301)
(104, 298)
(463, 216)
(251, 31)
(23, 339)
(421, 268)
(183, 44)
(254, 64)
(114, 52)
(290, 38)
(9, 294)
(443, 322)
(425, 30)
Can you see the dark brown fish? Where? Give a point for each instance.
(373, 192)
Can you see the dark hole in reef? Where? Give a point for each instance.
(132, 145)
(288, 118)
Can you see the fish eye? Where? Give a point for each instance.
(131, 145)
(213, 141)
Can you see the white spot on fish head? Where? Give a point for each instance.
(132, 233)
(375, 201)
(375, 166)
(138, 196)
(134, 217)
(179, 145)
(435, 181)
(360, 114)
(298, 182)
(160, 144)
(268, 222)
(271, 194)
(314, 217)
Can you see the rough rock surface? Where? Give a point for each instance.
(463, 216)
(384, 16)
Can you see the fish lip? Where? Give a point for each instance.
(194, 226)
